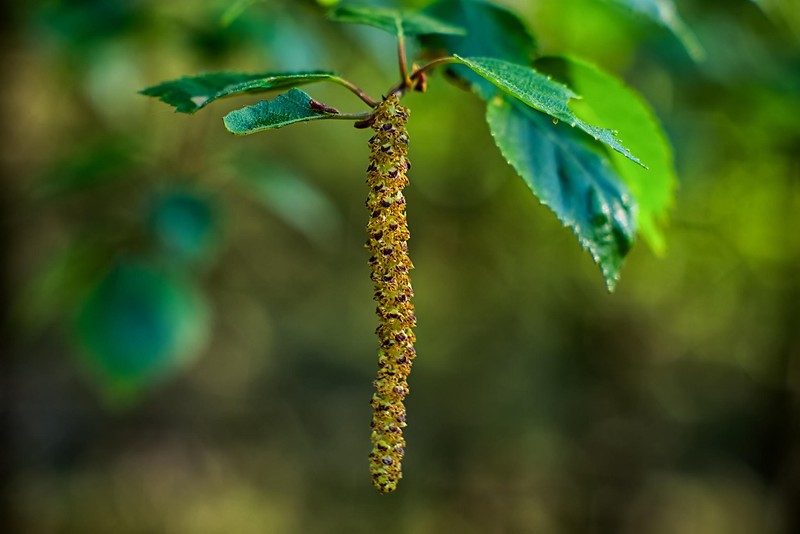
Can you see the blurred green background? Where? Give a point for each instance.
(188, 337)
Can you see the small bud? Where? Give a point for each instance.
(421, 84)
(319, 106)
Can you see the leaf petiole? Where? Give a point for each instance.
(351, 116)
(401, 53)
(360, 93)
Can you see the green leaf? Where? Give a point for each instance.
(288, 108)
(541, 93)
(185, 224)
(569, 175)
(296, 201)
(665, 14)
(189, 94)
(62, 281)
(607, 101)
(91, 164)
(235, 10)
(391, 20)
(492, 31)
(139, 325)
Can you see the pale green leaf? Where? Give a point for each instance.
(569, 175)
(541, 93)
(391, 20)
(606, 101)
(191, 93)
(665, 14)
(235, 10)
(287, 108)
(296, 201)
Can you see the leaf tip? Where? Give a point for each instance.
(611, 284)
(230, 121)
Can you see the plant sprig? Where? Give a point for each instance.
(565, 148)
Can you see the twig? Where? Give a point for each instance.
(350, 116)
(408, 82)
(371, 102)
(401, 53)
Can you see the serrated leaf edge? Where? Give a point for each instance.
(249, 86)
(611, 278)
(595, 132)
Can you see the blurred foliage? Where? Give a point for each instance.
(138, 324)
(538, 402)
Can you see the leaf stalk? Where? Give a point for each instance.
(360, 93)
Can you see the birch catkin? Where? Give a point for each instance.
(388, 243)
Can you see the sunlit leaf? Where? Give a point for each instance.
(492, 31)
(390, 20)
(541, 93)
(665, 13)
(191, 93)
(606, 101)
(571, 177)
(288, 108)
(562, 166)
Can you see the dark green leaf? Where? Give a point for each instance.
(665, 14)
(188, 94)
(390, 20)
(91, 164)
(62, 281)
(138, 325)
(607, 101)
(492, 31)
(285, 109)
(185, 224)
(571, 177)
(541, 93)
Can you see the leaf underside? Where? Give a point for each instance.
(608, 101)
(287, 108)
(390, 20)
(571, 177)
(191, 93)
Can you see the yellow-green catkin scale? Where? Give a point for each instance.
(388, 243)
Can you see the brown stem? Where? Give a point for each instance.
(401, 55)
(408, 83)
(360, 93)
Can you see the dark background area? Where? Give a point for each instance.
(228, 388)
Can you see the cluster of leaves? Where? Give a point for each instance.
(551, 117)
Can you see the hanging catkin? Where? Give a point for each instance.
(388, 243)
